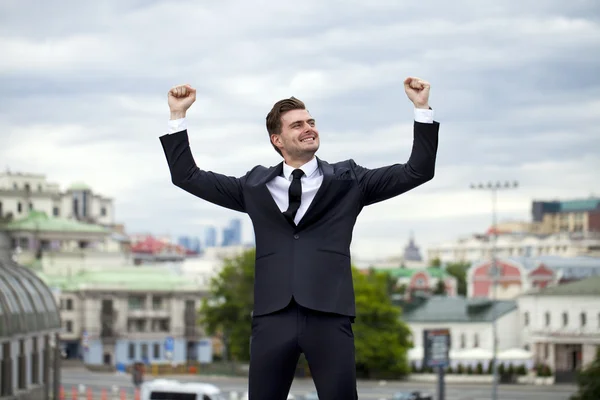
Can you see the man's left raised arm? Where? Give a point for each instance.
(386, 182)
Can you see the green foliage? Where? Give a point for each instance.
(479, 369)
(381, 338)
(588, 381)
(436, 262)
(227, 310)
(440, 288)
(459, 271)
(521, 370)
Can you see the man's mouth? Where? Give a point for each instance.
(308, 139)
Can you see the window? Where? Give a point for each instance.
(526, 318)
(476, 340)
(136, 302)
(157, 303)
(583, 319)
(144, 351)
(463, 341)
(56, 211)
(131, 351)
(69, 326)
(547, 318)
(156, 350)
(19, 207)
(565, 319)
(69, 305)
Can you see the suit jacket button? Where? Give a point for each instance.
(296, 237)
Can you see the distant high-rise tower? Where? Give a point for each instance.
(210, 237)
(232, 234)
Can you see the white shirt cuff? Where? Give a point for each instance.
(177, 125)
(424, 115)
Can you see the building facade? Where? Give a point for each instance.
(470, 324)
(29, 329)
(561, 325)
(116, 317)
(24, 192)
(578, 215)
(509, 244)
(519, 275)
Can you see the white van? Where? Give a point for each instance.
(166, 389)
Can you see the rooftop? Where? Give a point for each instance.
(40, 221)
(26, 304)
(145, 278)
(446, 309)
(409, 272)
(584, 287)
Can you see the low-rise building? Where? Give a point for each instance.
(423, 280)
(24, 192)
(519, 275)
(119, 316)
(561, 325)
(470, 322)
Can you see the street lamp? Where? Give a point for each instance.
(494, 271)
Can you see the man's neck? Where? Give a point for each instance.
(297, 163)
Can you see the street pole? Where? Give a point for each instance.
(495, 272)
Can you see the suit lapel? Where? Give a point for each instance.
(264, 192)
(327, 170)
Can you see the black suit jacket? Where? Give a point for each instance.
(310, 261)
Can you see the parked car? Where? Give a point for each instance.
(414, 395)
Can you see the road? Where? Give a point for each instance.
(366, 389)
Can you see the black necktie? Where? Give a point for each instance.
(295, 194)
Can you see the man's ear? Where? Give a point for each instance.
(276, 140)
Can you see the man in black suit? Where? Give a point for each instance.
(303, 211)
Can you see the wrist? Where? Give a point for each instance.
(422, 106)
(177, 114)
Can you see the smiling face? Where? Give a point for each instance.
(299, 137)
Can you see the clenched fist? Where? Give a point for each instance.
(181, 97)
(417, 91)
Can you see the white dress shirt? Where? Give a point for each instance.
(312, 178)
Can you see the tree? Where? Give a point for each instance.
(588, 381)
(459, 271)
(435, 262)
(440, 288)
(381, 338)
(227, 310)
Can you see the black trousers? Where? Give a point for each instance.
(326, 340)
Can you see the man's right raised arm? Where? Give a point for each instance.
(225, 191)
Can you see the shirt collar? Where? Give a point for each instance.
(309, 168)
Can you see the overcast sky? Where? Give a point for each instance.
(515, 86)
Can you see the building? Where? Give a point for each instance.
(423, 280)
(232, 234)
(61, 245)
(561, 325)
(148, 249)
(578, 215)
(470, 323)
(23, 192)
(210, 236)
(479, 247)
(117, 316)
(410, 258)
(29, 329)
(519, 275)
